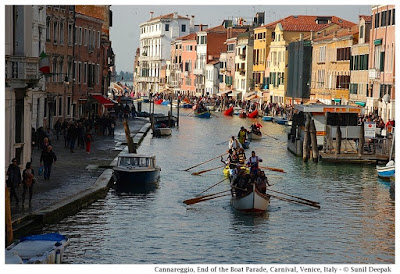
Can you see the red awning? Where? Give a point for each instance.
(106, 102)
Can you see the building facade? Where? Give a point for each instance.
(244, 65)
(188, 62)
(156, 36)
(381, 62)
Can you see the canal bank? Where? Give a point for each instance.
(77, 180)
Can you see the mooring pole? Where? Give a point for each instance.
(131, 145)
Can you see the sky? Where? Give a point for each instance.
(126, 20)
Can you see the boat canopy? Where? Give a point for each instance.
(329, 108)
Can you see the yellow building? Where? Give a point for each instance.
(330, 76)
(274, 43)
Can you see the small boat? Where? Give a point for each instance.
(210, 108)
(229, 111)
(158, 102)
(386, 171)
(280, 121)
(237, 110)
(253, 201)
(254, 136)
(243, 114)
(204, 114)
(146, 99)
(267, 118)
(163, 131)
(253, 114)
(165, 102)
(134, 170)
(37, 249)
(185, 105)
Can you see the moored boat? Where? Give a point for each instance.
(253, 114)
(134, 170)
(267, 118)
(237, 110)
(165, 102)
(280, 121)
(158, 102)
(252, 201)
(243, 114)
(163, 131)
(229, 111)
(386, 171)
(246, 145)
(37, 249)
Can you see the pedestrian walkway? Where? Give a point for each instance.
(70, 175)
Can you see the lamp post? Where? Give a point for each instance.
(66, 85)
(386, 100)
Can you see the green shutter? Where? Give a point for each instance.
(382, 64)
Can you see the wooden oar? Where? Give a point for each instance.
(223, 143)
(190, 112)
(205, 162)
(206, 170)
(312, 202)
(194, 200)
(273, 169)
(202, 200)
(271, 136)
(294, 201)
(212, 186)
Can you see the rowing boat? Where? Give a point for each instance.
(227, 173)
(267, 118)
(253, 136)
(229, 111)
(204, 114)
(253, 201)
(253, 114)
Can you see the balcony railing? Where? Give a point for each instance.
(374, 74)
(22, 68)
(198, 71)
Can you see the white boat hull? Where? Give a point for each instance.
(253, 202)
(165, 131)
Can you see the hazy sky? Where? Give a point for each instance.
(126, 19)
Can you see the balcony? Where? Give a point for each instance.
(374, 74)
(198, 71)
(21, 70)
(242, 56)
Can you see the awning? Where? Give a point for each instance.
(252, 97)
(224, 92)
(233, 94)
(104, 101)
(337, 100)
(361, 104)
(378, 42)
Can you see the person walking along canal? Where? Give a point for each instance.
(47, 158)
(28, 178)
(14, 179)
(88, 141)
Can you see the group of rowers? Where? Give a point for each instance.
(241, 181)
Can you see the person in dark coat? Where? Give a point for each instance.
(47, 158)
(14, 179)
(28, 178)
(72, 134)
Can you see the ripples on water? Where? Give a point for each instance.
(354, 225)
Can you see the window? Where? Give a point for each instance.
(353, 88)
(321, 78)
(343, 54)
(54, 78)
(75, 71)
(60, 72)
(98, 74)
(48, 26)
(85, 71)
(85, 37)
(342, 81)
(80, 36)
(55, 32)
(19, 117)
(79, 72)
(70, 34)
(166, 27)
(361, 32)
(59, 106)
(98, 39)
(68, 105)
(183, 28)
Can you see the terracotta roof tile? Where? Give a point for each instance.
(191, 36)
(367, 18)
(307, 23)
(219, 28)
(337, 33)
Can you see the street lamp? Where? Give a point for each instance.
(386, 100)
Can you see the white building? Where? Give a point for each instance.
(212, 77)
(244, 65)
(156, 36)
(24, 96)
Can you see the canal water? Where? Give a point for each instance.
(354, 225)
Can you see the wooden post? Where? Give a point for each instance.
(177, 115)
(169, 118)
(131, 145)
(338, 139)
(314, 144)
(306, 143)
(361, 140)
(9, 229)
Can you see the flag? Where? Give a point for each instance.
(44, 66)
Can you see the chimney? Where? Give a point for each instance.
(151, 14)
(175, 14)
(312, 35)
(192, 22)
(301, 37)
(201, 27)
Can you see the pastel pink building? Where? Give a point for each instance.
(189, 56)
(381, 72)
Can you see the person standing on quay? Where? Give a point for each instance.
(14, 179)
(28, 178)
(47, 158)
(88, 141)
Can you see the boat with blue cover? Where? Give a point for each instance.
(386, 171)
(203, 114)
(267, 118)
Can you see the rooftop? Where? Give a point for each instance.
(167, 16)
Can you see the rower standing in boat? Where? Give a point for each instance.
(253, 162)
(234, 143)
(255, 129)
(242, 135)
